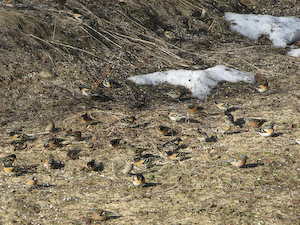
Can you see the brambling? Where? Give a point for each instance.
(127, 120)
(85, 90)
(223, 105)
(176, 116)
(240, 162)
(267, 131)
(50, 127)
(144, 162)
(202, 136)
(19, 136)
(128, 168)
(162, 130)
(173, 143)
(109, 83)
(9, 3)
(170, 34)
(11, 169)
(174, 93)
(263, 87)
(102, 215)
(192, 108)
(74, 135)
(53, 143)
(19, 145)
(139, 180)
(228, 117)
(224, 129)
(115, 142)
(73, 154)
(174, 155)
(32, 181)
(78, 17)
(256, 123)
(89, 92)
(137, 151)
(9, 159)
(91, 165)
(50, 163)
(86, 119)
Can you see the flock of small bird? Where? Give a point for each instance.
(173, 147)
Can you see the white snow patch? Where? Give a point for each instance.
(198, 82)
(294, 52)
(281, 30)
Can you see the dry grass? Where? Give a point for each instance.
(52, 53)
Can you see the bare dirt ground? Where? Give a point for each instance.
(46, 54)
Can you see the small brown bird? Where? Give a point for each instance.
(11, 169)
(85, 90)
(144, 162)
(53, 143)
(102, 215)
(50, 127)
(88, 92)
(241, 162)
(19, 136)
(109, 83)
(49, 163)
(202, 136)
(228, 117)
(9, 159)
(18, 145)
(115, 142)
(222, 105)
(78, 17)
(128, 168)
(73, 154)
(137, 151)
(224, 129)
(86, 119)
(74, 135)
(263, 87)
(32, 181)
(162, 130)
(174, 155)
(91, 165)
(174, 94)
(127, 120)
(256, 123)
(10, 3)
(193, 108)
(173, 143)
(267, 131)
(170, 34)
(139, 180)
(176, 116)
